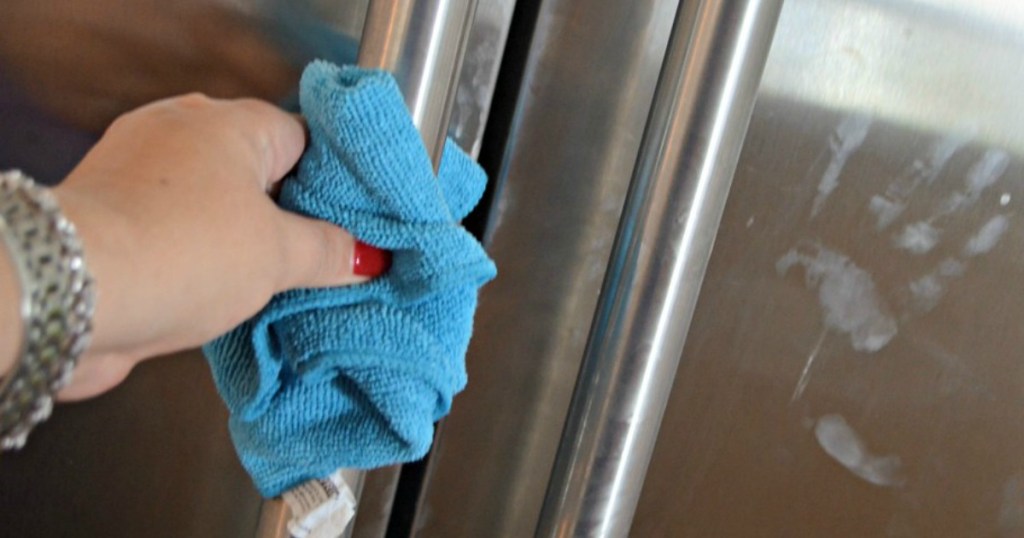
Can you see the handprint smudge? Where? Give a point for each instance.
(988, 236)
(846, 139)
(917, 238)
(927, 290)
(842, 443)
(849, 300)
(889, 206)
(920, 237)
(989, 169)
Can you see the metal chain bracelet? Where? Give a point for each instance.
(57, 302)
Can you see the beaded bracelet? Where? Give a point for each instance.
(57, 302)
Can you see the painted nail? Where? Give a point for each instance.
(370, 261)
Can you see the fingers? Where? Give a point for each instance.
(320, 254)
(199, 136)
(274, 189)
(280, 137)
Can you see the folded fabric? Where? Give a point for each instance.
(356, 376)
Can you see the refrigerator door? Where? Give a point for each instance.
(853, 366)
(588, 77)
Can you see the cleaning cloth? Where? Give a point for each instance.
(356, 376)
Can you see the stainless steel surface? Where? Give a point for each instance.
(869, 382)
(585, 96)
(141, 461)
(789, 417)
(345, 16)
(273, 520)
(479, 73)
(422, 43)
(696, 129)
(375, 497)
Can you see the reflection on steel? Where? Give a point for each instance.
(421, 42)
(478, 73)
(586, 91)
(701, 111)
(940, 83)
(895, 87)
(273, 522)
(376, 497)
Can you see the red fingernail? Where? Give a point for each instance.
(369, 260)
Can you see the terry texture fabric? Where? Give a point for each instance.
(356, 376)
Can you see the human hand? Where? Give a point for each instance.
(180, 232)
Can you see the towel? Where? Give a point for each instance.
(356, 376)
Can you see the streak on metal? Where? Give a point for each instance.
(697, 125)
(422, 43)
(578, 119)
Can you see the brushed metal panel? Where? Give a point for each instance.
(479, 73)
(584, 101)
(679, 188)
(848, 373)
(152, 458)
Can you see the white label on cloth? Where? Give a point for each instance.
(320, 508)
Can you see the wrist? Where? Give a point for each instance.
(100, 237)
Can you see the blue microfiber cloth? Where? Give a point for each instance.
(356, 376)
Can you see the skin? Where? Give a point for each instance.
(181, 234)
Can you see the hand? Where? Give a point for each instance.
(181, 233)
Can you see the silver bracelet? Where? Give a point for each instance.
(57, 301)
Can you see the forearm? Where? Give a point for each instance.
(10, 318)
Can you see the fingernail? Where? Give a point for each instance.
(368, 260)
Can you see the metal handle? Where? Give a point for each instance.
(422, 43)
(702, 107)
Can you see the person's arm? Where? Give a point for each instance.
(181, 235)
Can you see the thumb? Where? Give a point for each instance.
(320, 254)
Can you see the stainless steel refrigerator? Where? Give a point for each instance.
(845, 360)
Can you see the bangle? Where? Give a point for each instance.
(57, 301)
